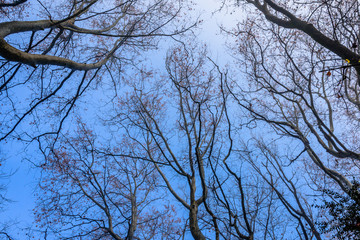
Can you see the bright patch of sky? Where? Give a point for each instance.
(214, 16)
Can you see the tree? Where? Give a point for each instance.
(54, 52)
(302, 62)
(239, 160)
(181, 133)
(185, 129)
(86, 193)
(344, 211)
(50, 59)
(180, 149)
(288, 187)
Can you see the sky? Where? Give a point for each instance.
(21, 184)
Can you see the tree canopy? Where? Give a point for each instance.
(264, 147)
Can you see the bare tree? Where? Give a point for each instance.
(52, 58)
(289, 187)
(179, 150)
(302, 63)
(179, 133)
(186, 131)
(86, 193)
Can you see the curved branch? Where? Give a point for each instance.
(309, 29)
(13, 4)
(11, 53)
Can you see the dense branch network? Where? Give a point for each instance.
(89, 36)
(292, 22)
